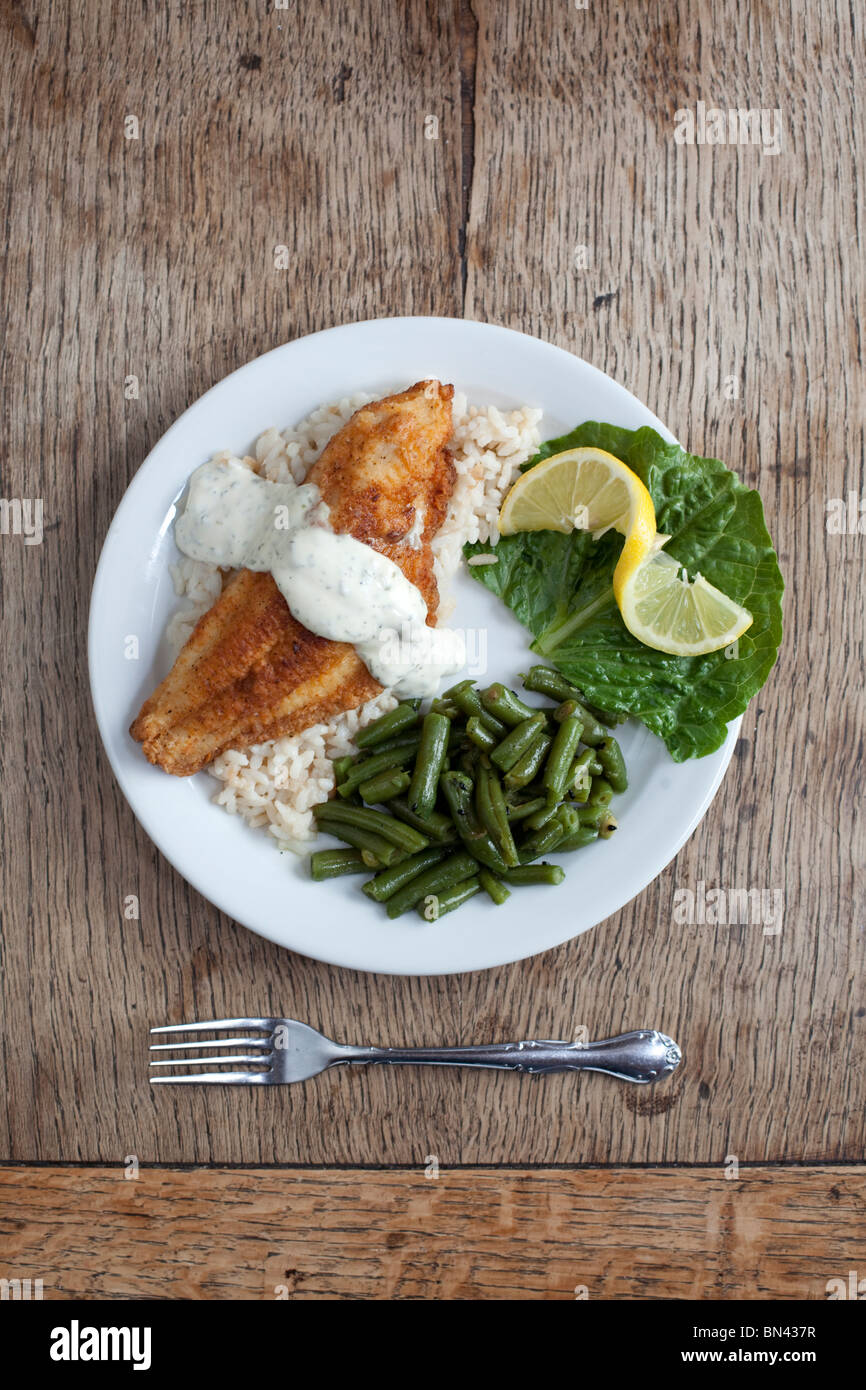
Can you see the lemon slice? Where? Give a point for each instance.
(583, 489)
(590, 490)
(664, 609)
(586, 490)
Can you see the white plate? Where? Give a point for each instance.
(239, 869)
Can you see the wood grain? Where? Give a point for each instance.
(705, 263)
(468, 1234)
(154, 257)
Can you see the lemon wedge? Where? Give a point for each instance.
(586, 489)
(590, 490)
(662, 608)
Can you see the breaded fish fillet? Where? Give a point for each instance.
(250, 672)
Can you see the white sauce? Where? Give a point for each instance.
(337, 586)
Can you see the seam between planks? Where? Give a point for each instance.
(468, 51)
(539, 1168)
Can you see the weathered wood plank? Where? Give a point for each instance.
(155, 257)
(708, 270)
(468, 1234)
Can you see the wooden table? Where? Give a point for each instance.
(158, 156)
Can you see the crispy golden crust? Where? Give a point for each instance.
(382, 466)
(250, 672)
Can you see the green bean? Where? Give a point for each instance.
(483, 809)
(526, 808)
(378, 822)
(600, 793)
(457, 790)
(480, 735)
(387, 725)
(440, 827)
(434, 880)
(565, 710)
(504, 705)
(579, 783)
(385, 884)
(409, 740)
(603, 716)
(505, 838)
(381, 849)
(490, 802)
(568, 817)
(333, 863)
(459, 689)
(592, 733)
(583, 835)
(493, 887)
(544, 841)
(448, 900)
(546, 812)
(545, 681)
(503, 768)
(386, 785)
(522, 773)
(370, 767)
(468, 701)
(457, 736)
(548, 682)
(613, 763)
(518, 741)
(583, 769)
(468, 760)
(561, 756)
(588, 759)
(429, 763)
(443, 706)
(535, 873)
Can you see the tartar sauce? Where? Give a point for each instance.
(335, 585)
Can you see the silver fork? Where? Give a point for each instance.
(292, 1051)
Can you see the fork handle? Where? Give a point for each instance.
(643, 1056)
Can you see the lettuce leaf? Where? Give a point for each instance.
(560, 588)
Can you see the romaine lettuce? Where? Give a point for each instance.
(559, 586)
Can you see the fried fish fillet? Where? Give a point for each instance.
(249, 671)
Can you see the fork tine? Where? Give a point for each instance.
(198, 1061)
(265, 1024)
(210, 1042)
(217, 1078)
